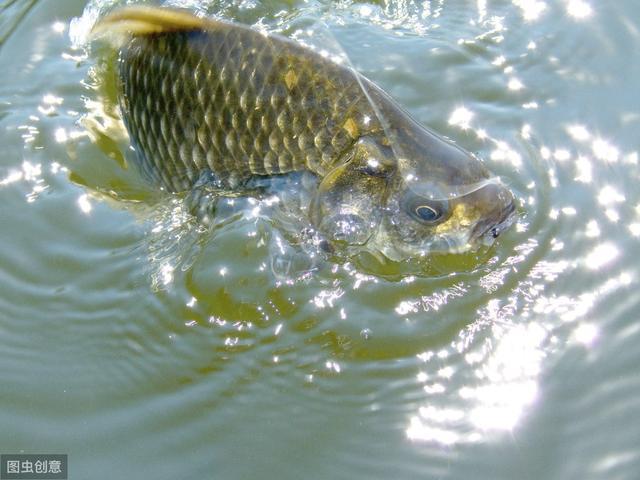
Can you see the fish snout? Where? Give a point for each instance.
(497, 206)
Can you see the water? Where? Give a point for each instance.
(143, 346)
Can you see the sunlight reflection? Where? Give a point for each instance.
(431, 302)
(579, 9)
(603, 150)
(446, 372)
(631, 158)
(80, 27)
(502, 406)
(586, 334)
(166, 274)
(418, 430)
(49, 104)
(572, 309)
(623, 280)
(31, 132)
(51, 99)
(434, 388)
(531, 9)
(583, 170)
(578, 132)
(60, 135)
(612, 215)
(327, 298)
(482, 9)
(441, 415)
(461, 117)
(515, 84)
(504, 351)
(58, 27)
(602, 255)
(32, 174)
(507, 386)
(499, 61)
(561, 154)
(593, 230)
(609, 195)
(84, 204)
(504, 152)
(333, 366)
(13, 176)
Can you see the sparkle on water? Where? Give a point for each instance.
(493, 331)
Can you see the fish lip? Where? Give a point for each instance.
(494, 229)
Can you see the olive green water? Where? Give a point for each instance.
(145, 346)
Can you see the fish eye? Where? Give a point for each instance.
(427, 213)
(424, 210)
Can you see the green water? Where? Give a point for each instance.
(144, 346)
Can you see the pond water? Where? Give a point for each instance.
(146, 345)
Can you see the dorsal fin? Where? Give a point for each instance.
(145, 20)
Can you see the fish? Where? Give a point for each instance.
(203, 98)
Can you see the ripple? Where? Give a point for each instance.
(218, 349)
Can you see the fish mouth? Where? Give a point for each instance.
(488, 230)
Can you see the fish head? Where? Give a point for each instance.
(428, 196)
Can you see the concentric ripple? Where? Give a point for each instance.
(132, 330)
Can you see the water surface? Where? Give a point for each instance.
(147, 346)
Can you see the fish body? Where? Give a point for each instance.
(199, 95)
(238, 103)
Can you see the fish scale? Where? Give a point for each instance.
(247, 105)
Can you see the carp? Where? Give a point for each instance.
(204, 98)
